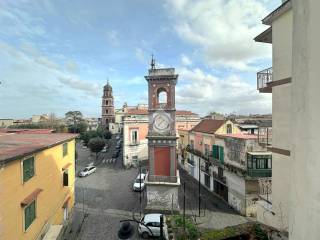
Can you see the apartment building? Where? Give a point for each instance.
(37, 172)
(228, 162)
(294, 84)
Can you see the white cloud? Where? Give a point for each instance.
(202, 92)
(32, 85)
(141, 55)
(223, 30)
(186, 60)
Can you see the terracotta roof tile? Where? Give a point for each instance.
(13, 145)
(208, 126)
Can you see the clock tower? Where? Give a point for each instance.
(163, 177)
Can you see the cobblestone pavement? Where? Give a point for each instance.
(106, 197)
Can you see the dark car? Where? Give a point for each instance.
(115, 154)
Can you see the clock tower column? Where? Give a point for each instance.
(163, 177)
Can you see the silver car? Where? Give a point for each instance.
(153, 223)
(87, 171)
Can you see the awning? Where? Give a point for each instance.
(65, 167)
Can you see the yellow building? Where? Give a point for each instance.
(37, 174)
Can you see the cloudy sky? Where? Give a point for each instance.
(56, 55)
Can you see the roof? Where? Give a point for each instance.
(26, 131)
(153, 217)
(247, 126)
(265, 36)
(14, 146)
(287, 5)
(135, 111)
(208, 126)
(239, 136)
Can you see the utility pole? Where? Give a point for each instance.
(140, 185)
(199, 186)
(184, 207)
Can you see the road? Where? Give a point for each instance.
(106, 197)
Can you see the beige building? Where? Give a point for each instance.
(4, 122)
(294, 83)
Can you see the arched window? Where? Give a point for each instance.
(107, 111)
(162, 96)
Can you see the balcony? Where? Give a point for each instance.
(158, 178)
(264, 77)
(134, 143)
(259, 173)
(265, 136)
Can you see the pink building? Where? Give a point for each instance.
(135, 130)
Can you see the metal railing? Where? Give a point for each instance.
(258, 173)
(263, 78)
(158, 178)
(265, 136)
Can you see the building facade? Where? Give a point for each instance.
(37, 183)
(135, 129)
(224, 160)
(294, 83)
(275, 212)
(107, 107)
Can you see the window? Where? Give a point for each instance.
(134, 136)
(162, 96)
(107, 102)
(107, 111)
(206, 149)
(28, 169)
(192, 144)
(218, 153)
(65, 149)
(229, 128)
(29, 214)
(65, 178)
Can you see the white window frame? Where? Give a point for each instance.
(34, 167)
(131, 135)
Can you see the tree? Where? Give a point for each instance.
(96, 145)
(73, 118)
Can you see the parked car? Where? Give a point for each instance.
(139, 184)
(115, 154)
(87, 171)
(141, 176)
(153, 222)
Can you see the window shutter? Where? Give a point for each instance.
(29, 215)
(221, 154)
(215, 151)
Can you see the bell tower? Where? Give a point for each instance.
(107, 107)
(163, 177)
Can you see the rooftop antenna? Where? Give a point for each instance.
(153, 63)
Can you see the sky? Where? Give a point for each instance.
(56, 56)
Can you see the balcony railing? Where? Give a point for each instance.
(263, 78)
(157, 178)
(265, 136)
(258, 173)
(134, 143)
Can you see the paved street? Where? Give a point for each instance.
(106, 197)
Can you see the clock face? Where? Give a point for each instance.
(161, 122)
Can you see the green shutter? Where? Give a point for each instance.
(28, 169)
(221, 154)
(215, 151)
(29, 214)
(65, 149)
